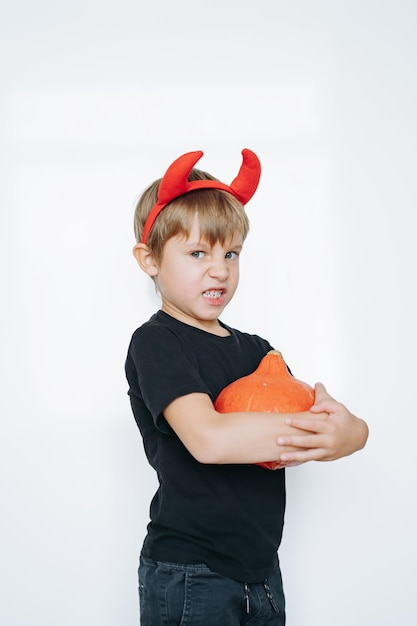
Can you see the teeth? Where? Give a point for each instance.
(212, 294)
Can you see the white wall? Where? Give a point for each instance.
(97, 98)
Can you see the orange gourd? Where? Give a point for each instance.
(269, 389)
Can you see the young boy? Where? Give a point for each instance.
(210, 554)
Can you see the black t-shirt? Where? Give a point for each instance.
(229, 517)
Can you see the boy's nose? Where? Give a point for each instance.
(219, 269)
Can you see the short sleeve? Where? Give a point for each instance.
(161, 369)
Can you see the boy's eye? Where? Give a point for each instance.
(231, 255)
(197, 254)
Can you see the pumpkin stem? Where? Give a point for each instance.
(276, 352)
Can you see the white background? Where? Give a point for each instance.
(97, 98)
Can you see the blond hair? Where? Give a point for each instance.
(221, 216)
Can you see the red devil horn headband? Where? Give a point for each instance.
(175, 183)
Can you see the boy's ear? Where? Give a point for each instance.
(145, 259)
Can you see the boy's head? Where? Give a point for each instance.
(220, 215)
(167, 208)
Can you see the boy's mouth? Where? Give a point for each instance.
(213, 294)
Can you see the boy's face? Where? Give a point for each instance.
(197, 281)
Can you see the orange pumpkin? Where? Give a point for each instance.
(269, 389)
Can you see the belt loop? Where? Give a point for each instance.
(247, 601)
(270, 596)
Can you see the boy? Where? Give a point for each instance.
(210, 554)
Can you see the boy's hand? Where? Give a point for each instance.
(337, 436)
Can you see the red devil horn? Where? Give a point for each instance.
(175, 181)
(247, 180)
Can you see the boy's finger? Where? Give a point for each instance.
(311, 425)
(315, 454)
(320, 390)
(322, 397)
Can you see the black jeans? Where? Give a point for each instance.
(192, 595)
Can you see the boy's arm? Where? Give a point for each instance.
(327, 432)
(213, 437)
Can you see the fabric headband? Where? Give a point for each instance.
(175, 183)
